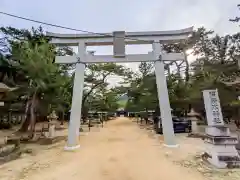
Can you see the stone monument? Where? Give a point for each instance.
(220, 145)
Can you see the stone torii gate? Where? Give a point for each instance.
(118, 40)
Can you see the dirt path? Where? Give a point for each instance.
(119, 151)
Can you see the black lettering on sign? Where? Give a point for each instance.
(213, 93)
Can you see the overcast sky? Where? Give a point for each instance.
(129, 15)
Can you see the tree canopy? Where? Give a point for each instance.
(27, 63)
(216, 63)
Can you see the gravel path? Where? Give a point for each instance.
(119, 151)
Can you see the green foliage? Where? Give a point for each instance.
(216, 63)
(95, 87)
(31, 58)
(103, 100)
(122, 103)
(27, 62)
(143, 91)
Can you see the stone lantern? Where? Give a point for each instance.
(52, 118)
(192, 116)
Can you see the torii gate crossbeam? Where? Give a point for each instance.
(118, 40)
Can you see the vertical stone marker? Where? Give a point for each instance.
(220, 145)
(213, 108)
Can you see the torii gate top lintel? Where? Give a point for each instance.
(118, 40)
(103, 39)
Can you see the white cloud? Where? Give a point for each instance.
(175, 14)
(134, 15)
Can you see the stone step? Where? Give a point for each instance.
(221, 140)
(220, 148)
(229, 158)
(217, 131)
(222, 161)
(238, 146)
(233, 164)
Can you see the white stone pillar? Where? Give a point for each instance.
(194, 126)
(166, 117)
(51, 131)
(76, 109)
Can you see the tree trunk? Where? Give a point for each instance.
(25, 125)
(26, 121)
(10, 119)
(33, 114)
(91, 90)
(168, 70)
(146, 115)
(178, 69)
(84, 113)
(187, 67)
(63, 118)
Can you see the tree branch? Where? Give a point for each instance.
(94, 87)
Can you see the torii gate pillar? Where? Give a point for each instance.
(75, 116)
(163, 97)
